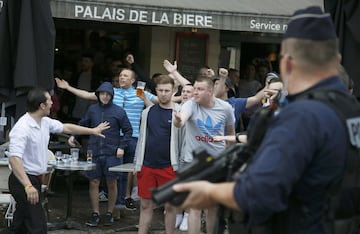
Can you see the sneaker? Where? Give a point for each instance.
(109, 220)
(179, 218)
(94, 220)
(184, 223)
(103, 197)
(130, 204)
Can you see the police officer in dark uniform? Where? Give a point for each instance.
(286, 185)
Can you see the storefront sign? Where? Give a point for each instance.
(259, 25)
(142, 16)
(111, 11)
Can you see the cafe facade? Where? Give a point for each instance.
(193, 32)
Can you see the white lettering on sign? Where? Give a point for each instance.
(354, 131)
(142, 16)
(164, 19)
(78, 10)
(268, 26)
(1, 4)
(107, 14)
(192, 20)
(138, 16)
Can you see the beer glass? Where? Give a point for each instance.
(140, 89)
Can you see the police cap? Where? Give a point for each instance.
(311, 23)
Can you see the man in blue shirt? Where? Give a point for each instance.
(156, 154)
(303, 151)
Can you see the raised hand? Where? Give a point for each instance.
(101, 127)
(62, 84)
(170, 68)
(223, 73)
(271, 93)
(130, 59)
(210, 73)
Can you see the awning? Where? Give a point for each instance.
(236, 15)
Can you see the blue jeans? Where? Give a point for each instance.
(122, 181)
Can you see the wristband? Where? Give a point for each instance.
(28, 187)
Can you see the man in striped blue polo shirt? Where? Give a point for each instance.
(125, 96)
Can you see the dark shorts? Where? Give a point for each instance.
(149, 178)
(102, 167)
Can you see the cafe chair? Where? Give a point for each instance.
(46, 183)
(10, 209)
(7, 203)
(45, 187)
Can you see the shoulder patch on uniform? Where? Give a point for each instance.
(353, 126)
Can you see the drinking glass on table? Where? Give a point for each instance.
(66, 158)
(140, 89)
(89, 155)
(58, 156)
(74, 154)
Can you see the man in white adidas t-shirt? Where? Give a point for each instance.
(204, 117)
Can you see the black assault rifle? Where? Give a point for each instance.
(215, 168)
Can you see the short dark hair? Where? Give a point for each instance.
(35, 97)
(133, 74)
(313, 53)
(165, 79)
(233, 70)
(344, 77)
(208, 80)
(155, 75)
(274, 80)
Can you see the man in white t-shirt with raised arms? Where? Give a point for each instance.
(204, 117)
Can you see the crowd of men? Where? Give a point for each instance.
(287, 185)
